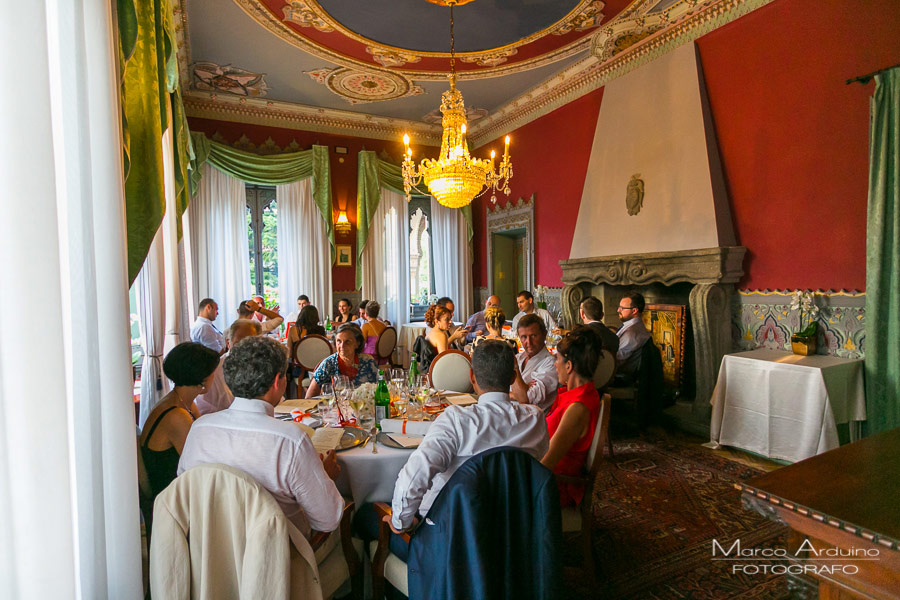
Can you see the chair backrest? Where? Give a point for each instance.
(310, 351)
(387, 341)
(606, 369)
(601, 433)
(450, 371)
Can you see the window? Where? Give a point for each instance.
(421, 266)
(262, 230)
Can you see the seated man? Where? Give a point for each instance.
(249, 308)
(276, 453)
(632, 334)
(591, 310)
(217, 396)
(475, 326)
(362, 320)
(203, 331)
(525, 302)
(302, 302)
(457, 435)
(536, 378)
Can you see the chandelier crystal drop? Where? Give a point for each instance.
(455, 178)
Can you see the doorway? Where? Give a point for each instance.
(508, 268)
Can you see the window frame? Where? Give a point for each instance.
(258, 198)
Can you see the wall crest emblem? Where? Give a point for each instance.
(634, 195)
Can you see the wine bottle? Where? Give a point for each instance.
(382, 400)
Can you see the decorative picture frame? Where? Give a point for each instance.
(666, 323)
(344, 255)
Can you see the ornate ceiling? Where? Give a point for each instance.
(375, 67)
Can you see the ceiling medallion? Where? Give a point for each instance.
(301, 13)
(455, 178)
(210, 77)
(360, 87)
(448, 3)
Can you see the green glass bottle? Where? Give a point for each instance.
(413, 369)
(382, 400)
(327, 323)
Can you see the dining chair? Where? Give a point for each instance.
(221, 535)
(603, 376)
(311, 350)
(450, 371)
(578, 518)
(644, 390)
(384, 347)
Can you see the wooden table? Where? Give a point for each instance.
(847, 499)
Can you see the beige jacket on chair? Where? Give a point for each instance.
(218, 534)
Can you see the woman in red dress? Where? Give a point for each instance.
(573, 417)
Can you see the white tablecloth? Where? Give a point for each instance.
(370, 477)
(408, 334)
(785, 406)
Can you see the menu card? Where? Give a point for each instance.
(327, 438)
(300, 403)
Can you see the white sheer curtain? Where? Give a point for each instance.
(151, 300)
(304, 253)
(385, 259)
(452, 258)
(220, 246)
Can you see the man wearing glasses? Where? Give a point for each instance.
(632, 334)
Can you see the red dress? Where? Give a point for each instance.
(573, 461)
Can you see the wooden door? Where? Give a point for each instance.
(504, 272)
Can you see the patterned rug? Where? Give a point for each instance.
(658, 505)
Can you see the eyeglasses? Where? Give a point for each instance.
(625, 307)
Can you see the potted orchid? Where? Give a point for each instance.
(803, 341)
(541, 293)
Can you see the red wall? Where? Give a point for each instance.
(792, 135)
(549, 157)
(343, 170)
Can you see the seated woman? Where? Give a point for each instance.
(344, 314)
(494, 318)
(438, 339)
(373, 327)
(307, 324)
(573, 417)
(359, 368)
(190, 366)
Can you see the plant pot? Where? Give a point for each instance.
(803, 345)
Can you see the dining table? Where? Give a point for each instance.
(368, 477)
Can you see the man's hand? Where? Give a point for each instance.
(387, 519)
(329, 463)
(479, 332)
(253, 305)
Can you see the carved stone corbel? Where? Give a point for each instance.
(712, 338)
(571, 298)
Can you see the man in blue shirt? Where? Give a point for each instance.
(475, 325)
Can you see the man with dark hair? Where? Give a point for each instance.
(203, 331)
(460, 433)
(248, 308)
(362, 320)
(276, 453)
(525, 302)
(632, 334)
(217, 396)
(591, 310)
(536, 379)
(302, 302)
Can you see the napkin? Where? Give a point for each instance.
(405, 441)
(288, 405)
(401, 427)
(461, 399)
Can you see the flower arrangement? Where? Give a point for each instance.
(803, 341)
(540, 293)
(365, 392)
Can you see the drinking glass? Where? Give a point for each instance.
(340, 382)
(398, 375)
(327, 390)
(328, 412)
(413, 407)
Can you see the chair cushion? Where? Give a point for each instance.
(395, 570)
(450, 371)
(571, 518)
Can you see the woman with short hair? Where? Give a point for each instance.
(190, 366)
(359, 368)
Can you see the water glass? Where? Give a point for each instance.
(366, 418)
(413, 408)
(327, 390)
(340, 382)
(328, 412)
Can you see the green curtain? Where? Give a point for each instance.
(372, 175)
(143, 49)
(883, 257)
(274, 169)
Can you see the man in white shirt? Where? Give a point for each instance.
(536, 378)
(276, 453)
(525, 302)
(249, 307)
(461, 433)
(217, 396)
(203, 331)
(632, 334)
(302, 301)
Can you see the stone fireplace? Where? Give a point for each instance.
(702, 279)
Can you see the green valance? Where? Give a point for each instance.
(372, 175)
(273, 169)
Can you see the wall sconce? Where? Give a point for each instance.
(342, 225)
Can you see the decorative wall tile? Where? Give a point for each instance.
(764, 319)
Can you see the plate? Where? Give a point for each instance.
(353, 437)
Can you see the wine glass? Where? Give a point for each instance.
(327, 390)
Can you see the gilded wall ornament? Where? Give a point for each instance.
(305, 15)
(587, 16)
(634, 196)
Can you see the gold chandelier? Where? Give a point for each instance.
(455, 178)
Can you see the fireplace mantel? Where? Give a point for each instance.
(713, 273)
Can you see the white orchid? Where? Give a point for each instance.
(805, 302)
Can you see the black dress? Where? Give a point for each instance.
(425, 353)
(161, 465)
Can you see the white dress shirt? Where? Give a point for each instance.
(541, 312)
(457, 435)
(539, 372)
(218, 396)
(632, 335)
(276, 453)
(204, 332)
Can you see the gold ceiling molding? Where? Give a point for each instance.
(301, 13)
(639, 22)
(388, 58)
(255, 111)
(361, 87)
(580, 18)
(590, 74)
